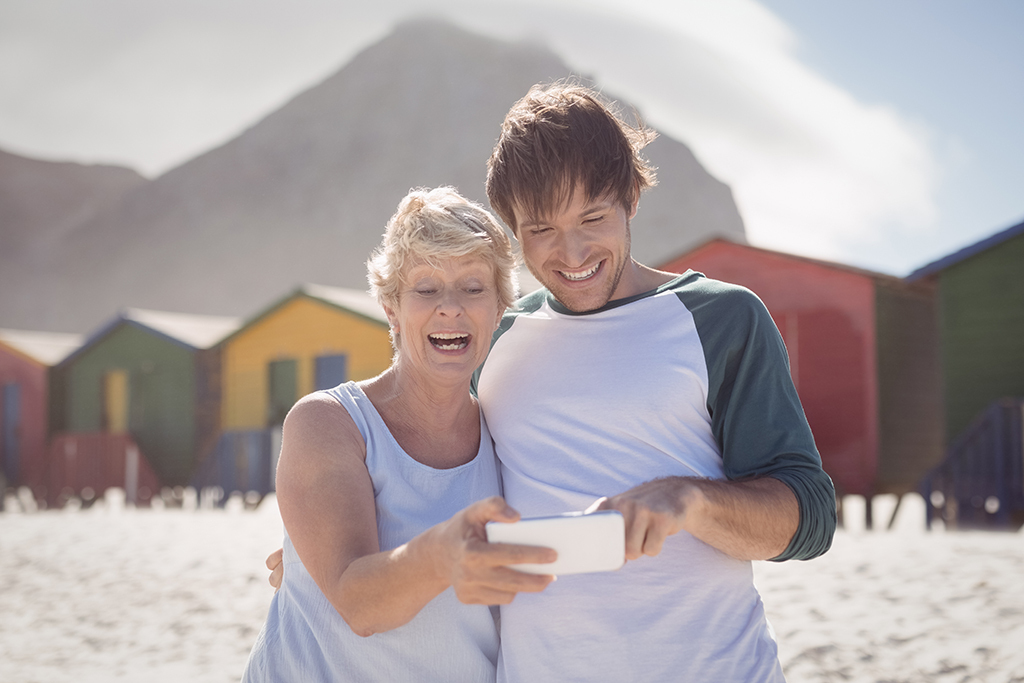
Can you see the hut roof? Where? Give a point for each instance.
(350, 299)
(47, 348)
(197, 331)
(190, 330)
(967, 252)
(834, 265)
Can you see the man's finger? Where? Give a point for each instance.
(276, 576)
(636, 533)
(275, 558)
(653, 542)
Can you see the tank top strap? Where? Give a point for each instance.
(352, 398)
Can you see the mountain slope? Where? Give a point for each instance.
(303, 195)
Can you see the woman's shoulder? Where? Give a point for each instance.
(319, 419)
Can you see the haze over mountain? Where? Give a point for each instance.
(40, 202)
(303, 195)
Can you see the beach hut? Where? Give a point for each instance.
(863, 355)
(153, 375)
(314, 338)
(980, 293)
(25, 361)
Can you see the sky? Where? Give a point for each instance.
(879, 133)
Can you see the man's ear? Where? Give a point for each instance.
(635, 206)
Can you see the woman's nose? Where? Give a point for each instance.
(450, 303)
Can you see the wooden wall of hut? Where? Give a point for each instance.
(982, 311)
(287, 340)
(23, 420)
(910, 384)
(161, 395)
(26, 361)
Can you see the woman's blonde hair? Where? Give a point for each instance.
(434, 225)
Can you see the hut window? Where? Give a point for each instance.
(331, 371)
(284, 389)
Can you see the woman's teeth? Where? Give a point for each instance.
(449, 341)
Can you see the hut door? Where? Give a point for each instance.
(331, 371)
(9, 432)
(115, 401)
(284, 389)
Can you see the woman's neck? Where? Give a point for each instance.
(435, 423)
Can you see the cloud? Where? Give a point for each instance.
(813, 170)
(151, 85)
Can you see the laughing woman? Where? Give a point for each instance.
(385, 485)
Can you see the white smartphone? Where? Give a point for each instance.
(592, 542)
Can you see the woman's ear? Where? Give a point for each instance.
(392, 318)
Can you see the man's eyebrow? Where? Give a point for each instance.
(598, 207)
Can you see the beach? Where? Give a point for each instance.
(112, 594)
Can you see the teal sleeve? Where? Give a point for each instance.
(756, 415)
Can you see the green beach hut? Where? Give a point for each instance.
(152, 375)
(980, 293)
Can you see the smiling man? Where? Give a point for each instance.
(664, 396)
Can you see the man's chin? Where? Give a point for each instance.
(579, 300)
(576, 299)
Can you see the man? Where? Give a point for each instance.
(665, 397)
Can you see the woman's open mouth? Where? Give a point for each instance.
(449, 341)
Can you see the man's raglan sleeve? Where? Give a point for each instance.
(755, 411)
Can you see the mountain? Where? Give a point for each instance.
(40, 203)
(303, 195)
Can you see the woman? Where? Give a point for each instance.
(384, 486)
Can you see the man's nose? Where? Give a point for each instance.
(573, 248)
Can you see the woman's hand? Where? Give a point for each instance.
(477, 570)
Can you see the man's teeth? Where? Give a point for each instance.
(449, 341)
(582, 275)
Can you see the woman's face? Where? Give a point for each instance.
(446, 315)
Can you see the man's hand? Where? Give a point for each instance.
(275, 563)
(753, 519)
(652, 511)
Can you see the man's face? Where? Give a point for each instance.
(580, 252)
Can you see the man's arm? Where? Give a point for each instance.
(775, 502)
(749, 520)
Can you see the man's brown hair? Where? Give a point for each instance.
(557, 138)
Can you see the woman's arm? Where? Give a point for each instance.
(326, 500)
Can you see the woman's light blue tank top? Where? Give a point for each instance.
(305, 639)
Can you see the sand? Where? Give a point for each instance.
(115, 594)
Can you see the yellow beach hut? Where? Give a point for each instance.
(314, 338)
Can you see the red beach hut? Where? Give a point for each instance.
(863, 351)
(25, 361)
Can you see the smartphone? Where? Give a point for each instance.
(591, 542)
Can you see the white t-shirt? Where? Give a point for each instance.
(587, 405)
